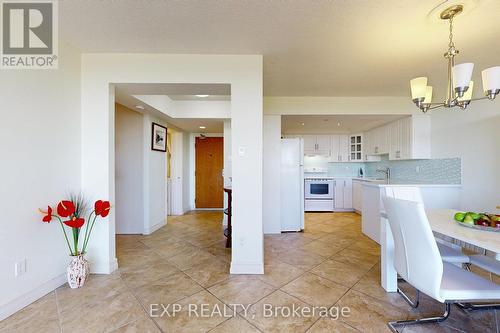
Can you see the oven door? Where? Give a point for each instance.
(318, 189)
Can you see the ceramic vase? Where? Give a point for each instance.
(78, 271)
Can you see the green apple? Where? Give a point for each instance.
(468, 220)
(475, 216)
(459, 217)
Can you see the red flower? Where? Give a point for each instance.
(102, 208)
(65, 208)
(48, 214)
(75, 222)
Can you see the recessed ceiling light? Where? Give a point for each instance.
(203, 127)
(202, 95)
(302, 124)
(339, 124)
(140, 107)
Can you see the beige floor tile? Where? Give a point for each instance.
(278, 273)
(170, 250)
(300, 259)
(209, 272)
(166, 290)
(368, 314)
(110, 313)
(265, 319)
(244, 290)
(140, 276)
(235, 325)
(356, 258)
(315, 290)
(197, 315)
(321, 248)
(40, 316)
(142, 325)
(329, 325)
(187, 260)
(339, 272)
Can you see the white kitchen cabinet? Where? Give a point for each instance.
(317, 144)
(343, 194)
(340, 148)
(377, 141)
(357, 195)
(356, 148)
(410, 138)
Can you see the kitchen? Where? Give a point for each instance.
(346, 161)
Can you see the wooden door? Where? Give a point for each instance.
(208, 172)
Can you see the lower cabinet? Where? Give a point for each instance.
(343, 194)
(357, 195)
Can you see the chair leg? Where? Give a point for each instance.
(414, 303)
(392, 325)
(479, 306)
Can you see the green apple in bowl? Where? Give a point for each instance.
(459, 216)
(468, 220)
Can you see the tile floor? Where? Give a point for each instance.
(330, 264)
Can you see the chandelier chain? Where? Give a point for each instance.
(451, 44)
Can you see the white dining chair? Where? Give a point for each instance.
(447, 252)
(418, 261)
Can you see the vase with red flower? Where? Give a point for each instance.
(70, 214)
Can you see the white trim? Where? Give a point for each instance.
(19, 303)
(150, 230)
(104, 269)
(247, 268)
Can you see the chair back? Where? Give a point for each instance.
(416, 255)
(410, 193)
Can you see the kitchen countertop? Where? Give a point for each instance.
(402, 182)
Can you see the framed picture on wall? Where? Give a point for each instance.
(159, 138)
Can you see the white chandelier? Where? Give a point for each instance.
(460, 86)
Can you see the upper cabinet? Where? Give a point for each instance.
(317, 145)
(410, 138)
(340, 148)
(356, 148)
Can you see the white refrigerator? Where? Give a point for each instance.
(292, 184)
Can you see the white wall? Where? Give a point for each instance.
(155, 180)
(473, 135)
(271, 199)
(129, 145)
(243, 72)
(40, 149)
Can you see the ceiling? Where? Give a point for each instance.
(124, 94)
(310, 48)
(338, 124)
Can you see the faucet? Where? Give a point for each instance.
(387, 172)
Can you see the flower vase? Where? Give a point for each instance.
(78, 271)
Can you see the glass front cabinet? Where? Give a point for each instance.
(356, 148)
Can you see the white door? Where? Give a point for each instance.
(339, 194)
(347, 193)
(309, 144)
(344, 148)
(323, 145)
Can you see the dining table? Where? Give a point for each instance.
(442, 223)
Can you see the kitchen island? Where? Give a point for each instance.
(434, 195)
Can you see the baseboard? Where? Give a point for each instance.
(150, 230)
(28, 298)
(247, 268)
(106, 268)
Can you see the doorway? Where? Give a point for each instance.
(209, 163)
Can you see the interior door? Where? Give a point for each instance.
(208, 172)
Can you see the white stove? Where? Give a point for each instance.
(318, 194)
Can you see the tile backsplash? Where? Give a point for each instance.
(434, 171)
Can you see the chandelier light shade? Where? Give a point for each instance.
(461, 77)
(491, 81)
(428, 95)
(418, 88)
(460, 86)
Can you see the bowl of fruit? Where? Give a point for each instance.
(489, 222)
